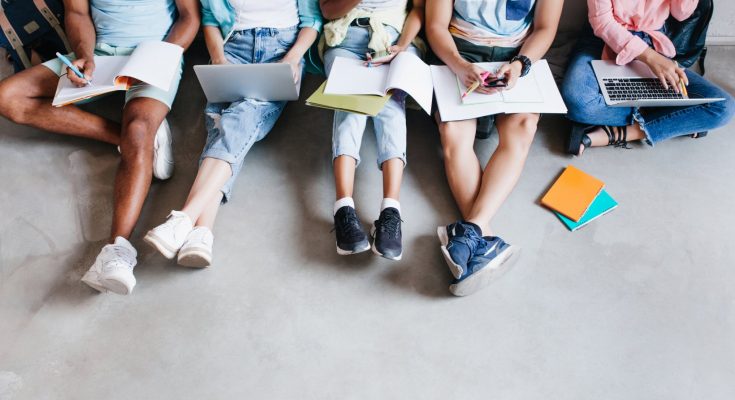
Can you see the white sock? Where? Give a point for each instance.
(345, 201)
(388, 202)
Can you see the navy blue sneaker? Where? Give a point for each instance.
(491, 260)
(446, 233)
(462, 240)
(386, 234)
(351, 239)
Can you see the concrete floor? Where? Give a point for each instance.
(638, 305)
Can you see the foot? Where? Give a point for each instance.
(113, 268)
(463, 239)
(197, 249)
(491, 260)
(446, 233)
(168, 237)
(163, 153)
(386, 234)
(351, 238)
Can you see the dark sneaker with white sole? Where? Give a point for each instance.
(462, 240)
(386, 234)
(351, 238)
(492, 258)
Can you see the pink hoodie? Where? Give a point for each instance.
(613, 19)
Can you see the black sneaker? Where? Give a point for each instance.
(386, 234)
(351, 239)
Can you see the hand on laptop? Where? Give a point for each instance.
(86, 66)
(667, 71)
(295, 68)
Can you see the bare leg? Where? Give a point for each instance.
(209, 213)
(25, 98)
(516, 132)
(344, 176)
(141, 119)
(212, 175)
(392, 177)
(461, 163)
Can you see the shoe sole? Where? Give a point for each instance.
(118, 285)
(167, 170)
(454, 268)
(194, 258)
(363, 249)
(375, 249)
(443, 235)
(94, 283)
(493, 271)
(158, 244)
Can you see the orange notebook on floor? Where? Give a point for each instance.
(573, 193)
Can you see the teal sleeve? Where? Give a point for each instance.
(208, 18)
(310, 16)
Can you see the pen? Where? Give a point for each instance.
(682, 86)
(476, 84)
(71, 66)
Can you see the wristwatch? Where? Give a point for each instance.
(525, 61)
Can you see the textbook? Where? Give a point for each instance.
(154, 63)
(360, 104)
(405, 72)
(572, 193)
(603, 204)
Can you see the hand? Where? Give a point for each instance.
(393, 50)
(510, 72)
(220, 61)
(667, 71)
(295, 68)
(470, 73)
(85, 66)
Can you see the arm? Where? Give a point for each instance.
(215, 44)
(334, 9)
(82, 36)
(683, 9)
(411, 28)
(187, 24)
(306, 38)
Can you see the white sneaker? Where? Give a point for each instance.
(168, 237)
(113, 268)
(197, 250)
(163, 153)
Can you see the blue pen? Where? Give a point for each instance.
(71, 66)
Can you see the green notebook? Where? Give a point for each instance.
(359, 103)
(602, 205)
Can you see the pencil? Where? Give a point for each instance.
(476, 85)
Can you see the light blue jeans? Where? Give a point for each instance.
(389, 124)
(587, 105)
(233, 128)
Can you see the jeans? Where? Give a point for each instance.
(390, 123)
(233, 128)
(586, 104)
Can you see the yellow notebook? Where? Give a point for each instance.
(360, 104)
(573, 193)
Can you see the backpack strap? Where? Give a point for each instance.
(53, 21)
(13, 38)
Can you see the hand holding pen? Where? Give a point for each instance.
(75, 75)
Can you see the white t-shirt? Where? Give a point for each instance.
(265, 14)
(382, 4)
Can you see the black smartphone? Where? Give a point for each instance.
(495, 82)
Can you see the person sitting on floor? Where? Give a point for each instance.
(624, 31)
(236, 32)
(107, 28)
(463, 32)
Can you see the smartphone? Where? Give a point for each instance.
(379, 56)
(495, 82)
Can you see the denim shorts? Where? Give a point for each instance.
(139, 89)
(233, 128)
(389, 124)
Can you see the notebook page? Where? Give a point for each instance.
(103, 81)
(413, 76)
(154, 63)
(350, 76)
(480, 98)
(526, 90)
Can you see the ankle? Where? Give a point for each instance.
(392, 203)
(344, 201)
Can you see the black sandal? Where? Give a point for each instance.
(616, 136)
(698, 135)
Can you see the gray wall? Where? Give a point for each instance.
(722, 29)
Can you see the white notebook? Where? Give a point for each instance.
(406, 72)
(526, 89)
(154, 63)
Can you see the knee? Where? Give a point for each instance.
(453, 142)
(12, 104)
(725, 110)
(521, 131)
(137, 141)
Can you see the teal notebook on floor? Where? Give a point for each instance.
(602, 205)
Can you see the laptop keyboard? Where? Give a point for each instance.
(622, 89)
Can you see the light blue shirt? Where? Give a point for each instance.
(220, 13)
(500, 18)
(126, 23)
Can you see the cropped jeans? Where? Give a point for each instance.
(389, 124)
(586, 103)
(233, 128)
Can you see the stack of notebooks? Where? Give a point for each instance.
(578, 198)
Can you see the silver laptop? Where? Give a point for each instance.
(634, 85)
(232, 82)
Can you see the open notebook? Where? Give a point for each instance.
(154, 63)
(526, 89)
(406, 72)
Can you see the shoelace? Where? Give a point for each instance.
(390, 223)
(471, 240)
(350, 225)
